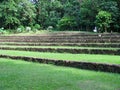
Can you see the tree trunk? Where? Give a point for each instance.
(105, 29)
(9, 26)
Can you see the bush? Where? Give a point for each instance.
(67, 23)
(20, 29)
(37, 26)
(28, 29)
(34, 29)
(50, 28)
(3, 31)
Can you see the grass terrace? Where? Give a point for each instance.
(62, 47)
(110, 59)
(23, 75)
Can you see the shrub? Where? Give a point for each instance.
(50, 28)
(20, 29)
(2, 31)
(34, 29)
(37, 26)
(28, 29)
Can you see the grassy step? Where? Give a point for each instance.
(60, 37)
(17, 75)
(73, 50)
(110, 59)
(50, 43)
(61, 47)
(89, 38)
(76, 64)
(65, 41)
(65, 36)
(113, 45)
(70, 33)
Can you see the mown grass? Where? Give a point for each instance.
(45, 32)
(111, 59)
(54, 43)
(21, 75)
(31, 33)
(61, 47)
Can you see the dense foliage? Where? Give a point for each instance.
(103, 20)
(60, 14)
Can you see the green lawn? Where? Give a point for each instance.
(54, 43)
(31, 33)
(65, 56)
(21, 75)
(40, 32)
(62, 47)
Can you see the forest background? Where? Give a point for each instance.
(62, 15)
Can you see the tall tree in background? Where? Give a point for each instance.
(89, 10)
(103, 20)
(16, 12)
(111, 7)
(27, 12)
(9, 14)
(72, 9)
(57, 12)
(48, 12)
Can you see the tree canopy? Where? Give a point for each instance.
(60, 14)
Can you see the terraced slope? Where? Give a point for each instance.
(108, 59)
(78, 44)
(108, 45)
(64, 38)
(65, 49)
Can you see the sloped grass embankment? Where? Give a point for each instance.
(65, 49)
(23, 75)
(108, 65)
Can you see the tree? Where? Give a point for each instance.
(9, 16)
(49, 12)
(27, 12)
(72, 9)
(88, 12)
(16, 12)
(111, 6)
(103, 20)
